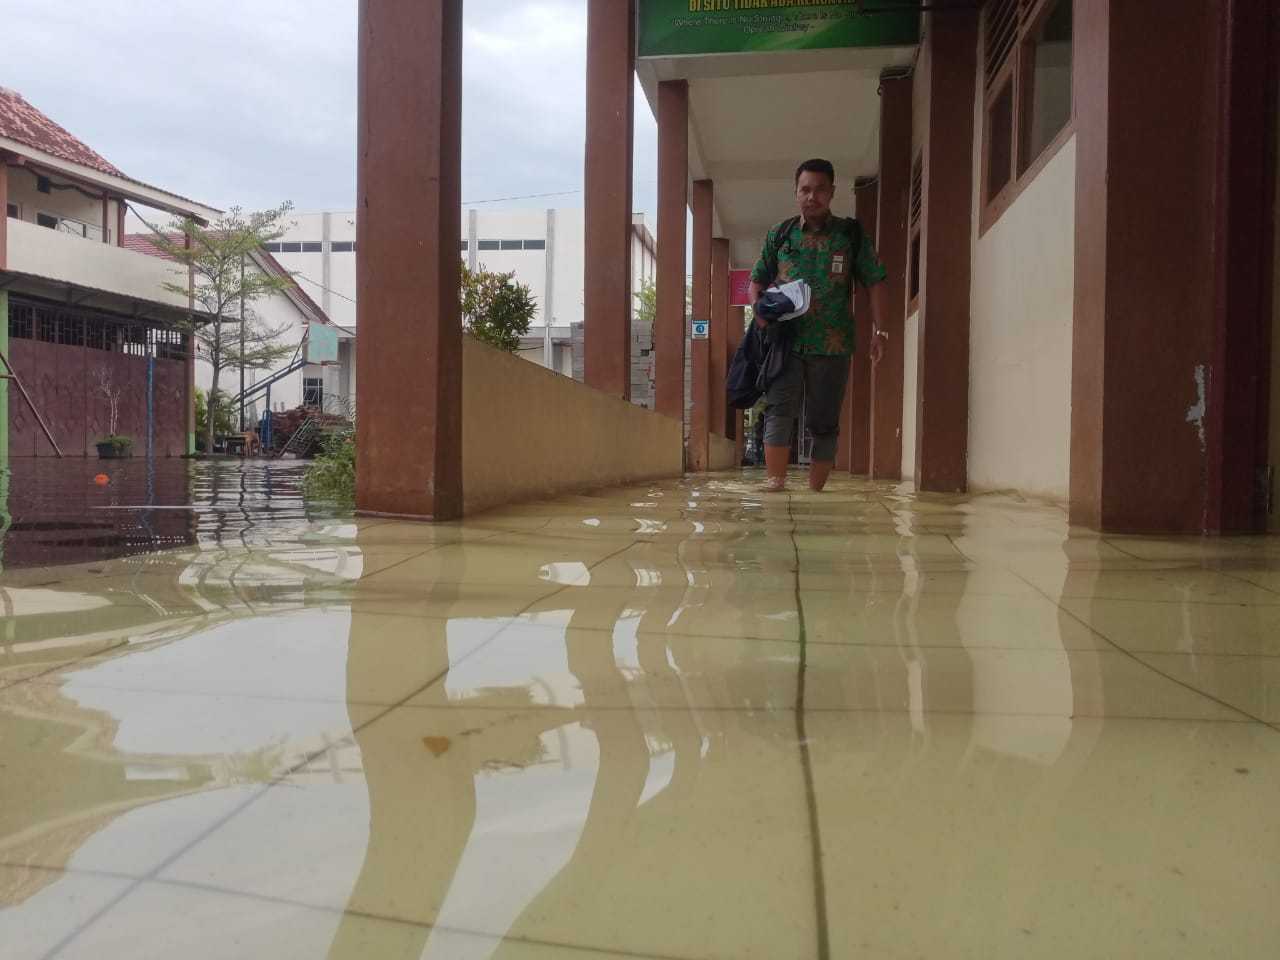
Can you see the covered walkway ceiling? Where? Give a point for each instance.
(754, 116)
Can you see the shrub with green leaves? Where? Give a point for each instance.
(495, 308)
(332, 474)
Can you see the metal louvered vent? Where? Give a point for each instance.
(1000, 19)
(917, 189)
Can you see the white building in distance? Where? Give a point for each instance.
(543, 248)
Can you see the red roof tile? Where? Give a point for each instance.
(141, 243)
(22, 122)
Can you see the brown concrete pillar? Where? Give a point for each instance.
(719, 334)
(857, 408)
(942, 360)
(1244, 234)
(607, 183)
(673, 209)
(699, 458)
(1168, 354)
(4, 200)
(189, 380)
(409, 383)
(120, 215)
(891, 243)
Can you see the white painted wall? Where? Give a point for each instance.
(65, 203)
(1020, 337)
(1020, 333)
(910, 362)
(528, 265)
(911, 327)
(42, 252)
(329, 276)
(286, 393)
(309, 269)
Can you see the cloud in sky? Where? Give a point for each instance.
(251, 103)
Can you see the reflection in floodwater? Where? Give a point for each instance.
(55, 512)
(527, 734)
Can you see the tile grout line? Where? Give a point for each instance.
(1143, 663)
(462, 704)
(302, 764)
(806, 765)
(1233, 575)
(321, 908)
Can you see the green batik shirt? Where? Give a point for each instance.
(826, 260)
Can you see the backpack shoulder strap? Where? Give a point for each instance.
(853, 226)
(783, 234)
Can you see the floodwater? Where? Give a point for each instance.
(76, 510)
(675, 720)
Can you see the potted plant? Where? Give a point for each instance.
(113, 446)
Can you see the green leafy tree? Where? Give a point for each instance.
(495, 308)
(647, 303)
(225, 285)
(223, 421)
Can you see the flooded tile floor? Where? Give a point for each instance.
(682, 720)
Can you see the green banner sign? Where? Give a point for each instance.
(671, 28)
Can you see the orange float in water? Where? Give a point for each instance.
(102, 479)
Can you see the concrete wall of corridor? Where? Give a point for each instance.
(724, 453)
(1021, 316)
(1020, 338)
(910, 369)
(911, 326)
(529, 433)
(1022, 306)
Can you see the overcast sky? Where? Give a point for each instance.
(254, 103)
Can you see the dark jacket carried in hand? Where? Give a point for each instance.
(757, 362)
(763, 353)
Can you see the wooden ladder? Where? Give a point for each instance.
(11, 374)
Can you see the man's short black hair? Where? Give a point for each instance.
(817, 166)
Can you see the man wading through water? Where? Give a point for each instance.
(830, 253)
